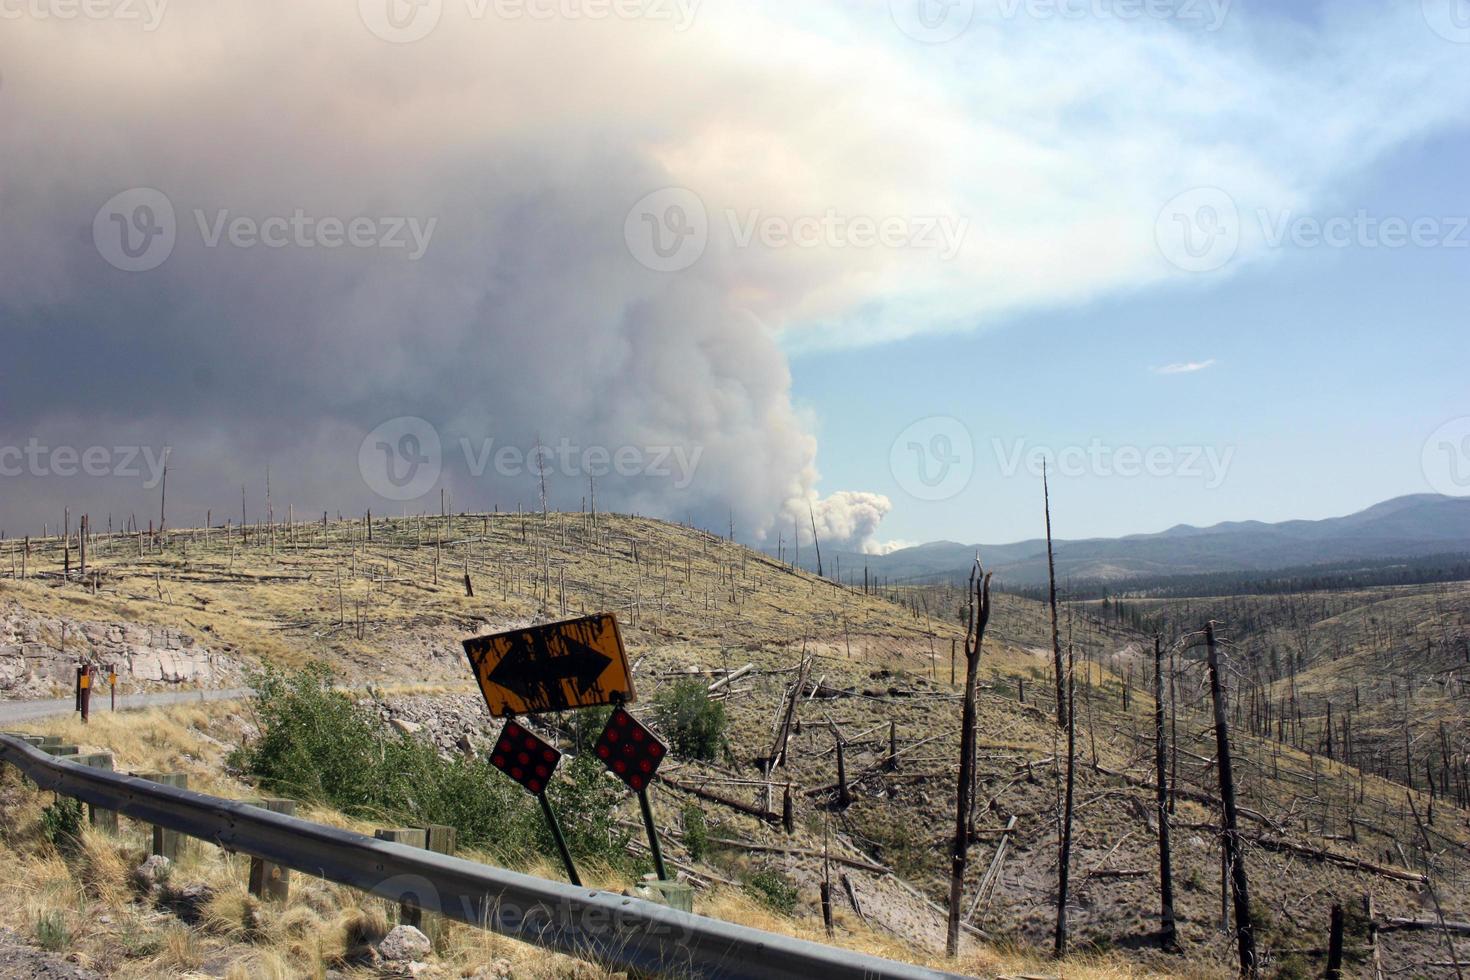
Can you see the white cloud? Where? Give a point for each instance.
(1184, 367)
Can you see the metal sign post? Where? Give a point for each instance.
(86, 691)
(633, 753)
(530, 761)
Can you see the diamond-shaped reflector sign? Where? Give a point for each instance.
(630, 750)
(524, 758)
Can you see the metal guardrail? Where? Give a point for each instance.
(608, 928)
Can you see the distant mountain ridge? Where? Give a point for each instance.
(1404, 527)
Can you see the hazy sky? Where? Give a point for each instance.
(731, 260)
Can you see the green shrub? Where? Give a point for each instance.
(585, 805)
(52, 933)
(696, 831)
(693, 724)
(316, 744)
(61, 823)
(774, 890)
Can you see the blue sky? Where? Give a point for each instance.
(1331, 368)
(1327, 369)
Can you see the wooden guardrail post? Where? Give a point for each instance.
(408, 915)
(168, 843)
(101, 819)
(442, 839)
(268, 880)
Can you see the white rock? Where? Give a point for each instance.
(406, 727)
(404, 944)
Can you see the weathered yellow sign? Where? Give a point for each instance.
(576, 664)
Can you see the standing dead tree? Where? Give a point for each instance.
(977, 618)
(1064, 861)
(1051, 574)
(1169, 934)
(1245, 934)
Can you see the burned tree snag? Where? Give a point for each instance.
(978, 618)
(1064, 861)
(1169, 934)
(1051, 576)
(1245, 936)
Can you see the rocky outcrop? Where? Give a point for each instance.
(39, 654)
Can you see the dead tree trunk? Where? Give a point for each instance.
(1051, 574)
(1064, 863)
(978, 619)
(1245, 935)
(1169, 931)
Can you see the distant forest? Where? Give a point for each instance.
(1279, 581)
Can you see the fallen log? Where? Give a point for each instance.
(803, 852)
(704, 794)
(1416, 925)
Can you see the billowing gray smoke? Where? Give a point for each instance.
(268, 338)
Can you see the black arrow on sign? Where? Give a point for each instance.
(532, 673)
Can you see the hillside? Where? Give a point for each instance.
(387, 605)
(1405, 527)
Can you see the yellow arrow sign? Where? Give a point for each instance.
(576, 664)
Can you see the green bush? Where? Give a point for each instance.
(693, 724)
(61, 824)
(316, 744)
(52, 933)
(774, 890)
(696, 831)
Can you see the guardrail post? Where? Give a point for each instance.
(443, 840)
(408, 915)
(58, 749)
(101, 819)
(168, 843)
(268, 880)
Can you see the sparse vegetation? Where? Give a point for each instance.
(693, 724)
(774, 890)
